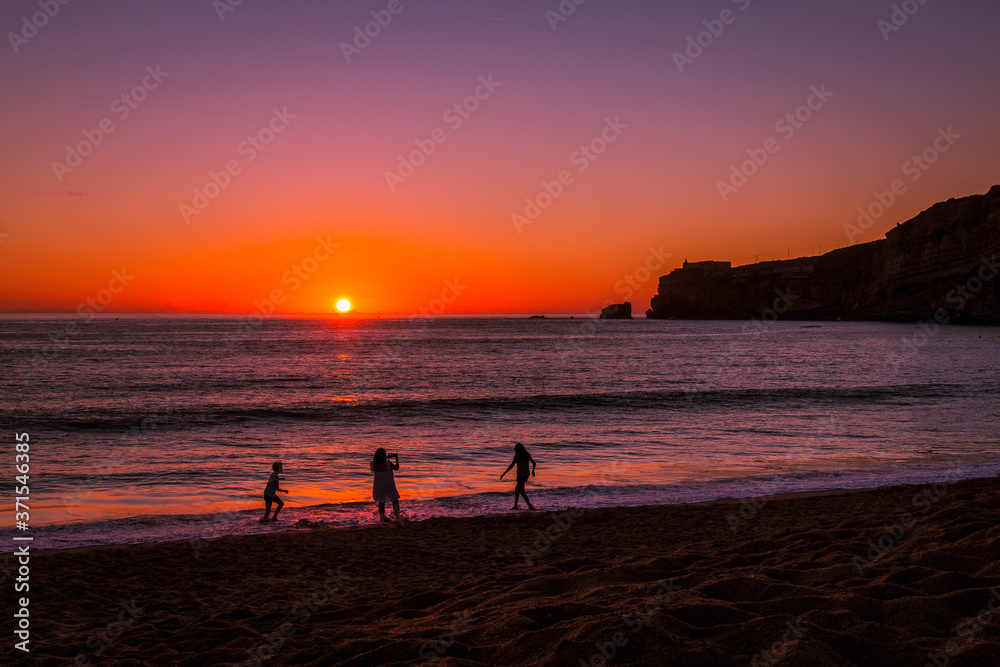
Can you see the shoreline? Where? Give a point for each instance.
(552, 588)
(292, 528)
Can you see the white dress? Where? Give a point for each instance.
(384, 486)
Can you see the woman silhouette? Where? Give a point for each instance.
(384, 485)
(521, 460)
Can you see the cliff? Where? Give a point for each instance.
(941, 264)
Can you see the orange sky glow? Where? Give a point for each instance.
(262, 110)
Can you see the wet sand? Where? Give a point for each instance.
(894, 576)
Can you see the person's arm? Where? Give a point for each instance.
(512, 464)
(532, 466)
(395, 466)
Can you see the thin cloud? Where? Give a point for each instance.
(59, 193)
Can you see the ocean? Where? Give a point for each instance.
(160, 427)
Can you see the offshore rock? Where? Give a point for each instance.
(617, 311)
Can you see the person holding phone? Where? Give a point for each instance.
(384, 485)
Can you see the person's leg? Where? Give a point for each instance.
(267, 508)
(524, 494)
(381, 510)
(395, 509)
(518, 488)
(279, 503)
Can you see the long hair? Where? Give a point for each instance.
(520, 452)
(379, 457)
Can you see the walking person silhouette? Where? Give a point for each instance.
(521, 459)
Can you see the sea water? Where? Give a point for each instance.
(156, 427)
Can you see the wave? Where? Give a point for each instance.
(172, 413)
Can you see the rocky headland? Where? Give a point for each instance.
(942, 265)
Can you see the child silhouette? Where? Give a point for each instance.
(271, 492)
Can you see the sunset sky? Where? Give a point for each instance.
(607, 76)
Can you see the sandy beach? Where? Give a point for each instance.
(896, 576)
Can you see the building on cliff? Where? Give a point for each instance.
(940, 265)
(709, 266)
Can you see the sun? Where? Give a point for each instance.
(343, 306)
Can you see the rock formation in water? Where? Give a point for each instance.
(941, 265)
(617, 311)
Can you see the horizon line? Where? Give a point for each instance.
(343, 316)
